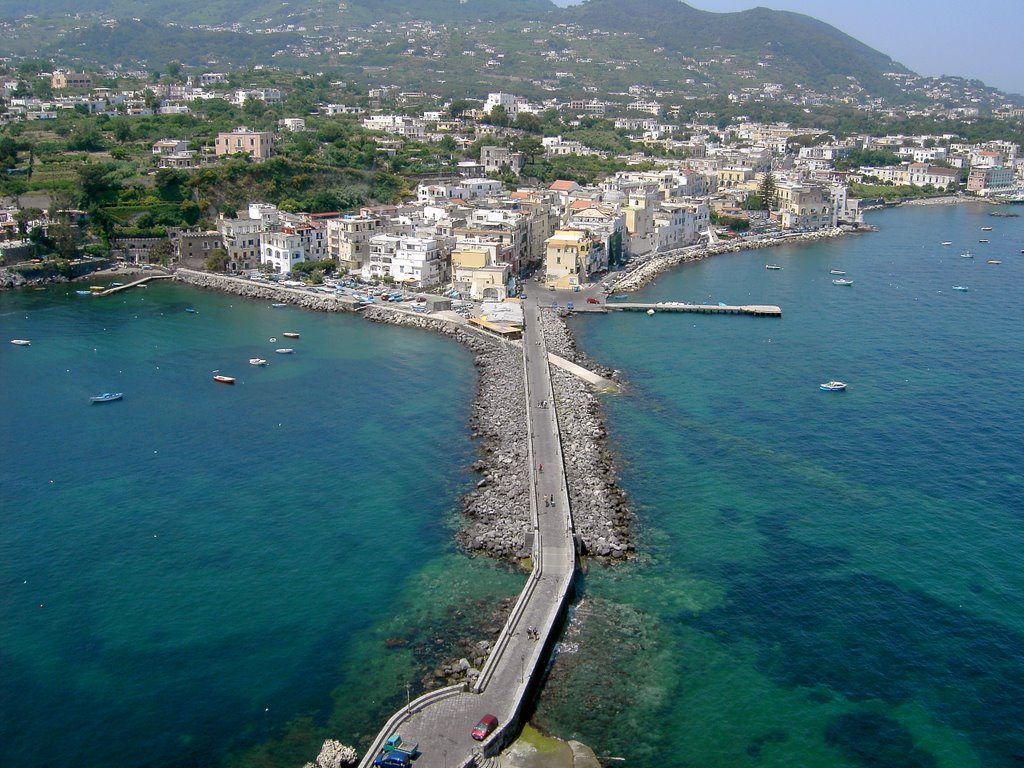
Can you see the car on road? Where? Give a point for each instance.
(485, 727)
(592, 300)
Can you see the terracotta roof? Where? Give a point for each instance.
(561, 185)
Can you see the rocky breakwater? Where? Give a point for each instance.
(645, 270)
(240, 286)
(600, 511)
(498, 507)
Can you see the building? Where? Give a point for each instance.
(804, 206)
(61, 79)
(348, 240)
(501, 160)
(193, 248)
(291, 244)
(572, 256)
(986, 181)
(418, 262)
(916, 174)
(169, 146)
(259, 145)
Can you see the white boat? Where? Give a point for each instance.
(772, 266)
(836, 272)
(842, 281)
(960, 288)
(986, 229)
(650, 311)
(290, 335)
(832, 386)
(257, 361)
(279, 304)
(993, 261)
(983, 240)
(966, 255)
(947, 242)
(106, 397)
(222, 379)
(21, 342)
(284, 351)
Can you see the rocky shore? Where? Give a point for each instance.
(318, 302)
(601, 514)
(646, 270)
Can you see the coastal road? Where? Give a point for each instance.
(441, 721)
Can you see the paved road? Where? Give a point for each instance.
(442, 724)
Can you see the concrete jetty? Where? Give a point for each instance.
(441, 721)
(140, 281)
(758, 310)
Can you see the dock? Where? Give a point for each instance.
(757, 310)
(134, 283)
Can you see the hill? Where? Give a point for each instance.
(809, 50)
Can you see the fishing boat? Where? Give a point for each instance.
(966, 255)
(993, 261)
(257, 361)
(290, 335)
(960, 288)
(284, 351)
(842, 281)
(832, 386)
(21, 342)
(836, 272)
(772, 266)
(106, 397)
(221, 378)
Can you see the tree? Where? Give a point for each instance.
(768, 191)
(162, 252)
(23, 216)
(95, 179)
(217, 260)
(529, 145)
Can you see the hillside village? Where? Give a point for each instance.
(481, 224)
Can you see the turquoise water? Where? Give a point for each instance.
(188, 570)
(829, 579)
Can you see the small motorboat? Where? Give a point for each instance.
(84, 293)
(21, 342)
(836, 272)
(842, 281)
(620, 296)
(284, 351)
(106, 397)
(960, 288)
(986, 229)
(832, 386)
(290, 335)
(966, 255)
(772, 266)
(650, 311)
(983, 240)
(947, 242)
(222, 379)
(277, 304)
(190, 310)
(993, 261)
(257, 361)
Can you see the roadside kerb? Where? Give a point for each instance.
(391, 726)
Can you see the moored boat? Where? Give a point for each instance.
(836, 272)
(257, 361)
(84, 293)
(279, 304)
(290, 335)
(21, 342)
(221, 378)
(842, 281)
(986, 229)
(190, 310)
(960, 288)
(993, 261)
(106, 397)
(284, 351)
(966, 255)
(832, 386)
(947, 242)
(772, 266)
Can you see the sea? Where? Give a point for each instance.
(211, 575)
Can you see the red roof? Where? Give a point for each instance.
(561, 185)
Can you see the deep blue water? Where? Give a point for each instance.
(827, 578)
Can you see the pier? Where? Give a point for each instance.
(441, 721)
(140, 281)
(758, 310)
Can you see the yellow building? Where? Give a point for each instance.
(569, 258)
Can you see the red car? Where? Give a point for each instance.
(592, 300)
(485, 727)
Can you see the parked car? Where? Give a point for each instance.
(592, 300)
(485, 727)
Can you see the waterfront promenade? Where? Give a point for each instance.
(441, 721)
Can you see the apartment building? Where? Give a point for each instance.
(259, 145)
